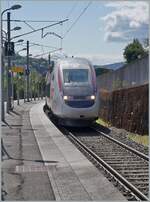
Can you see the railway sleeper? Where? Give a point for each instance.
(134, 161)
(140, 173)
(138, 178)
(118, 157)
(124, 167)
(126, 163)
(144, 183)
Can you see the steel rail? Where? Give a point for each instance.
(145, 157)
(119, 177)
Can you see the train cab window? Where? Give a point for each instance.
(75, 75)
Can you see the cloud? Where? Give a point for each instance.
(128, 20)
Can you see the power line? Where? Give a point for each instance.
(47, 52)
(83, 11)
(29, 25)
(36, 44)
(40, 29)
(33, 20)
(72, 9)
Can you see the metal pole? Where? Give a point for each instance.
(31, 84)
(24, 77)
(2, 74)
(38, 90)
(18, 89)
(12, 88)
(28, 71)
(8, 68)
(49, 59)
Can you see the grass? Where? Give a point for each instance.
(103, 123)
(142, 139)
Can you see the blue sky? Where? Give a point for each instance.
(100, 34)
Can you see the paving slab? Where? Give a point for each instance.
(72, 175)
(19, 141)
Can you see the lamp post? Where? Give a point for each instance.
(9, 73)
(27, 71)
(19, 41)
(30, 81)
(14, 7)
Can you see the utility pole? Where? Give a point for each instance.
(8, 67)
(49, 62)
(31, 84)
(49, 59)
(24, 77)
(2, 76)
(27, 71)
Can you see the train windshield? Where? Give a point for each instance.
(75, 75)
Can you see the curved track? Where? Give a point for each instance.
(124, 166)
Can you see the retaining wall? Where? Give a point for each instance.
(134, 74)
(126, 108)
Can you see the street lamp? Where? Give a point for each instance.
(14, 7)
(16, 29)
(19, 41)
(22, 50)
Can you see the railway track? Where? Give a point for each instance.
(127, 168)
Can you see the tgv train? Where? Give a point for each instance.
(71, 92)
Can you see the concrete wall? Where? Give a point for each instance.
(134, 74)
(126, 108)
(124, 96)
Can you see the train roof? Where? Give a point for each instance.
(74, 62)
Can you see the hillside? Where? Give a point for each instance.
(41, 64)
(113, 66)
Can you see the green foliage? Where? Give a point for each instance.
(141, 139)
(103, 123)
(38, 69)
(146, 42)
(100, 71)
(133, 51)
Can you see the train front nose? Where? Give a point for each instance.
(79, 103)
(78, 96)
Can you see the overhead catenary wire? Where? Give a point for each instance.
(29, 25)
(47, 52)
(83, 11)
(36, 44)
(72, 9)
(40, 29)
(33, 20)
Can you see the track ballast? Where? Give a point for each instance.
(125, 167)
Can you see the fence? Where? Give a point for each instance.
(131, 75)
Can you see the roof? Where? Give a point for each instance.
(74, 62)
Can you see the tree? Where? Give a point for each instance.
(146, 42)
(133, 51)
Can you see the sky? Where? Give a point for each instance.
(99, 34)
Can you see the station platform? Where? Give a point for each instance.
(65, 174)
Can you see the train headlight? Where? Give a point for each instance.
(92, 97)
(65, 97)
